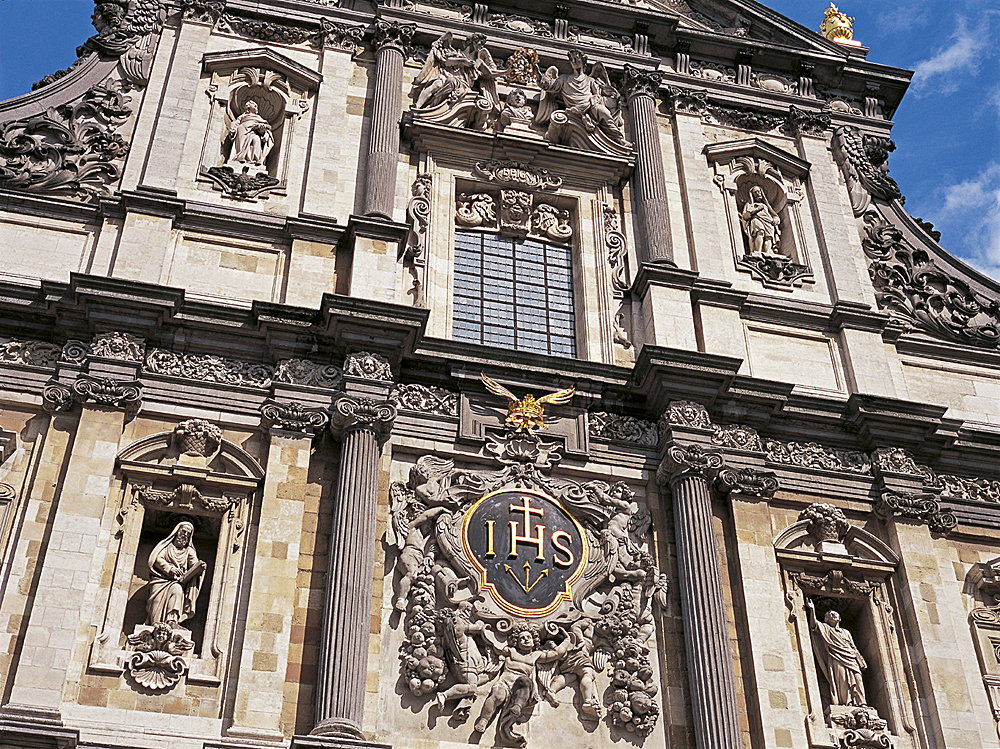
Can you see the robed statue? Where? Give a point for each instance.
(839, 657)
(761, 223)
(252, 137)
(176, 574)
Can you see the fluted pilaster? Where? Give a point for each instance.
(340, 684)
(391, 42)
(690, 471)
(648, 181)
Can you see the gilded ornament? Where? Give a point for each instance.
(838, 27)
(525, 414)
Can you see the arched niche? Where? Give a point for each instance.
(190, 473)
(839, 566)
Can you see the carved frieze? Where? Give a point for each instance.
(341, 35)
(833, 583)
(293, 417)
(712, 71)
(815, 455)
(688, 414)
(425, 399)
(368, 366)
(305, 372)
(738, 437)
(800, 121)
(915, 290)
(476, 209)
(206, 11)
(686, 100)
(553, 609)
(115, 345)
(619, 428)
(72, 149)
(551, 222)
(208, 368)
(29, 353)
(267, 31)
(895, 460)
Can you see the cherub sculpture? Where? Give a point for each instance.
(587, 98)
(157, 655)
(449, 74)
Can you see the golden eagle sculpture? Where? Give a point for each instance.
(525, 414)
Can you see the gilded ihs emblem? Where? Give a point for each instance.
(516, 586)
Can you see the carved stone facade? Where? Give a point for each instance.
(425, 375)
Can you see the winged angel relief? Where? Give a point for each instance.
(458, 86)
(516, 586)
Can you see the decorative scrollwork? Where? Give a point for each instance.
(916, 506)
(614, 245)
(29, 353)
(431, 400)
(109, 392)
(71, 149)
(913, 288)
(623, 428)
(737, 436)
(208, 368)
(508, 173)
(815, 455)
(293, 417)
(689, 460)
(363, 413)
(419, 212)
(747, 481)
(305, 372)
(57, 397)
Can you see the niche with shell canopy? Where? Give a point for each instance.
(839, 567)
(258, 98)
(192, 483)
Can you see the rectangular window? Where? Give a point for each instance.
(516, 293)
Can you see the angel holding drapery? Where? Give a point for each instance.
(590, 96)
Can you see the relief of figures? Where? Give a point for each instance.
(458, 86)
(568, 604)
(581, 109)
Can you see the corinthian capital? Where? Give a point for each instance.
(393, 34)
(689, 460)
(640, 82)
(350, 413)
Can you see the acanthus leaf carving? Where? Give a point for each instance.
(424, 399)
(293, 417)
(617, 252)
(305, 372)
(815, 455)
(621, 428)
(638, 82)
(686, 100)
(29, 353)
(914, 289)
(916, 506)
(362, 413)
(71, 149)
(208, 368)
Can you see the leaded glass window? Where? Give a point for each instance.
(513, 292)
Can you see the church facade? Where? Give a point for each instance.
(421, 374)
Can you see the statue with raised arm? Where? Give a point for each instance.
(449, 73)
(175, 578)
(760, 223)
(517, 686)
(252, 137)
(588, 97)
(838, 656)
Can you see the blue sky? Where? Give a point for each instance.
(947, 132)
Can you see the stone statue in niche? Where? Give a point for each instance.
(175, 578)
(251, 136)
(582, 102)
(838, 656)
(761, 224)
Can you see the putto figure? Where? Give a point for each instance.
(761, 223)
(839, 657)
(588, 98)
(252, 137)
(175, 578)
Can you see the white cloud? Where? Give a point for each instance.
(969, 218)
(942, 73)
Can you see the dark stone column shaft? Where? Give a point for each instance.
(648, 181)
(706, 632)
(343, 663)
(383, 138)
